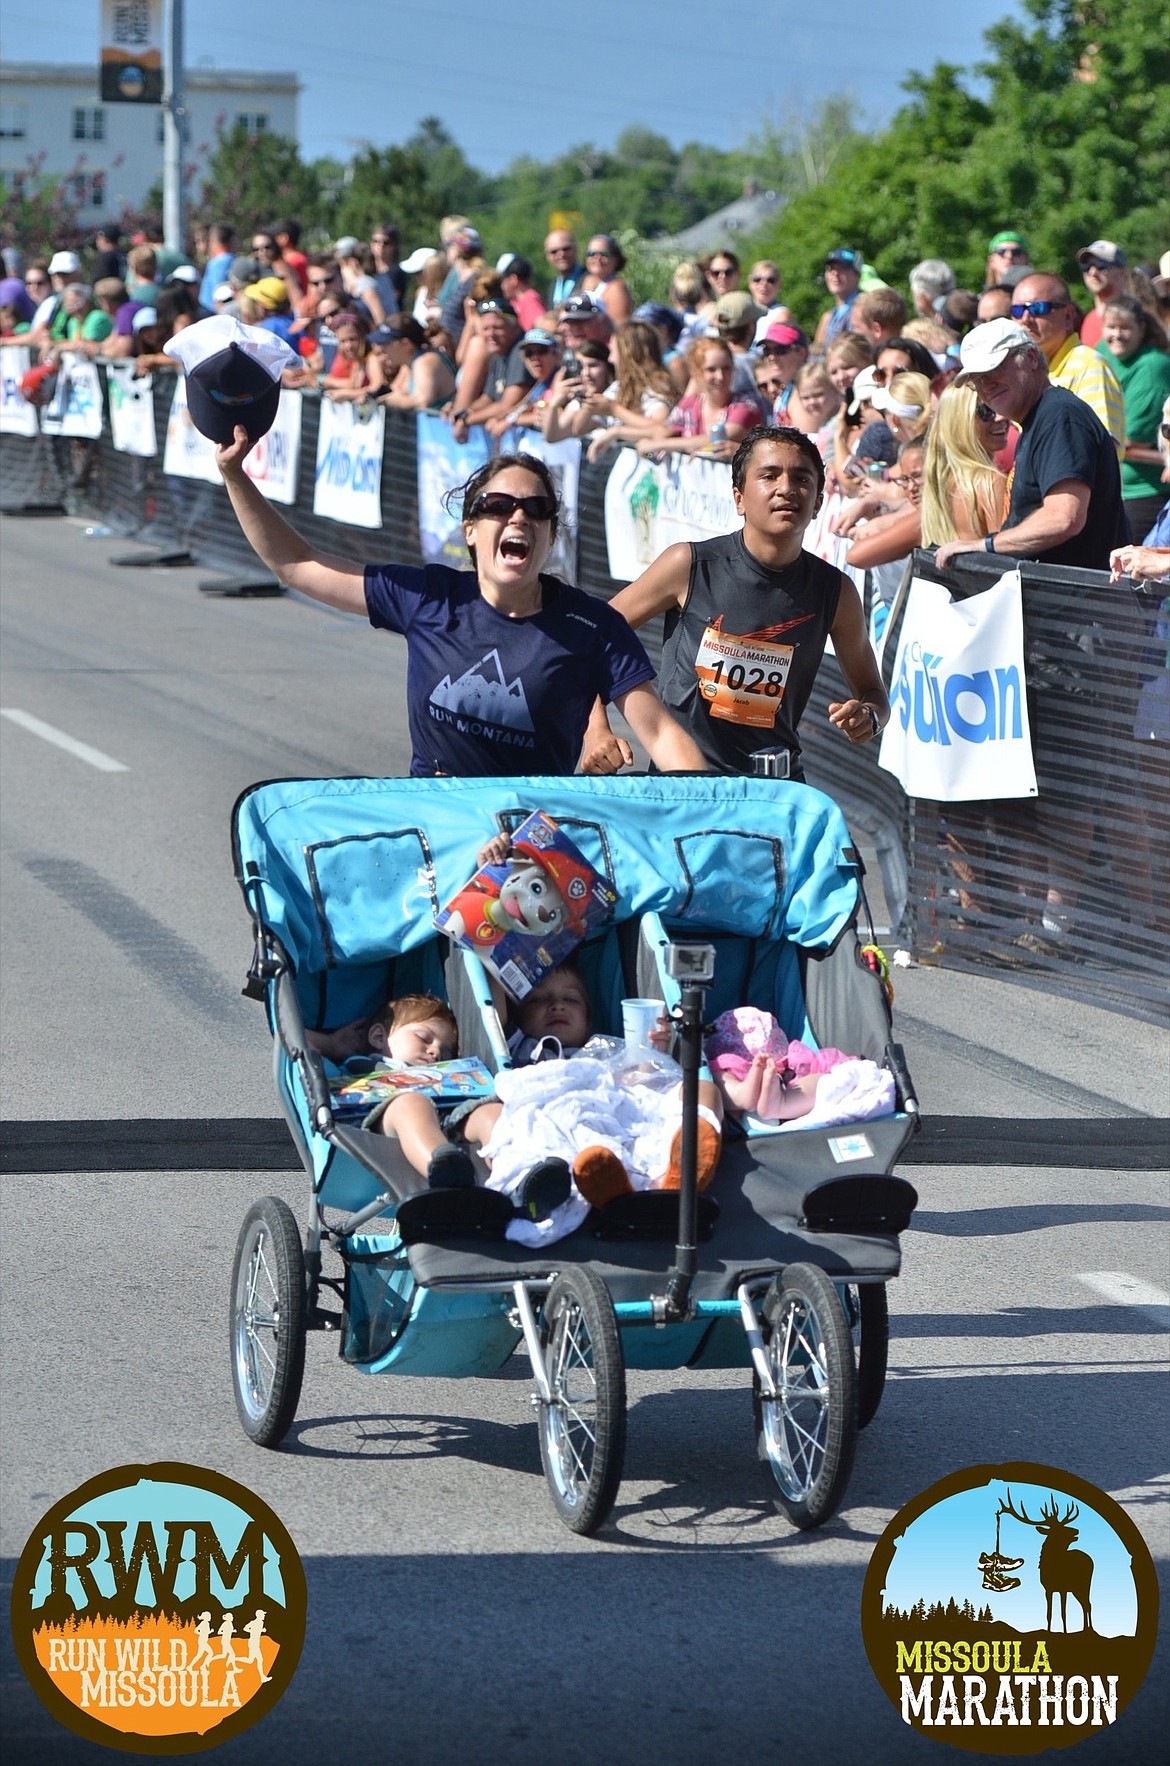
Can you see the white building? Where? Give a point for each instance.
(54, 125)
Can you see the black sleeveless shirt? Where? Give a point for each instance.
(740, 656)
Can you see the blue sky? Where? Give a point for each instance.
(690, 70)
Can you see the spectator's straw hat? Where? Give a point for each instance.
(233, 375)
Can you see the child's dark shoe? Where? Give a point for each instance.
(600, 1176)
(450, 1168)
(545, 1188)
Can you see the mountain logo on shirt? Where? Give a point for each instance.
(484, 691)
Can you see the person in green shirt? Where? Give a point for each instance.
(1134, 343)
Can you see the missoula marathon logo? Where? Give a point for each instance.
(159, 1609)
(1010, 1609)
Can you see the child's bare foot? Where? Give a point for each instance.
(772, 1099)
(600, 1176)
(744, 1094)
(710, 1145)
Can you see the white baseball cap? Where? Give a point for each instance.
(64, 263)
(986, 346)
(422, 254)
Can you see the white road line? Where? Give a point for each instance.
(1122, 1289)
(79, 750)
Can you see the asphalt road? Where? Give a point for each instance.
(451, 1616)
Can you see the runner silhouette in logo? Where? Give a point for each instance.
(203, 1632)
(1062, 1572)
(254, 1631)
(227, 1631)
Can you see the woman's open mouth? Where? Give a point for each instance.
(515, 547)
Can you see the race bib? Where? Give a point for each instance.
(742, 679)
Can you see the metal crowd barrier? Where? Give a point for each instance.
(965, 883)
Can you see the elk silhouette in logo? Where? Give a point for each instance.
(1062, 1572)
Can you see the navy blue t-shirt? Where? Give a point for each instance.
(490, 696)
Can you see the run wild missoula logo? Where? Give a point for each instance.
(1010, 1609)
(159, 1609)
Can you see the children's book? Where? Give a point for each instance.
(525, 916)
(445, 1081)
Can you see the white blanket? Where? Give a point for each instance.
(559, 1108)
(852, 1091)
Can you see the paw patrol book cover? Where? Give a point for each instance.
(525, 916)
(444, 1081)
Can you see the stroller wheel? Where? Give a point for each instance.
(806, 1434)
(583, 1427)
(268, 1321)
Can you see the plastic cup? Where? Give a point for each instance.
(638, 1019)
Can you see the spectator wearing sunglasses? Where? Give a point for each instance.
(842, 278)
(604, 262)
(1042, 305)
(507, 379)
(1065, 505)
(504, 662)
(1007, 260)
(1106, 274)
(763, 283)
(964, 494)
(560, 250)
(721, 274)
(784, 347)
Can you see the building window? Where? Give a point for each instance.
(89, 124)
(254, 121)
(13, 121)
(88, 189)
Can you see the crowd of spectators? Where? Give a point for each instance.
(912, 448)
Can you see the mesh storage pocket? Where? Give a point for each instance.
(379, 1292)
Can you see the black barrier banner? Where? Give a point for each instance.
(1068, 890)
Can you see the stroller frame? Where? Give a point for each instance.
(784, 1282)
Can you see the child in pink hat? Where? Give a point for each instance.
(758, 1070)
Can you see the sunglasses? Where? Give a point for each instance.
(777, 349)
(881, 375)
(985, 414)
(721, 270)
(501, 505)
(763, 278)
(320, 281)
(907, 477)
(1096, 264)
(1037, 308)
(263, 245)
(1009, 251)
(599, 254)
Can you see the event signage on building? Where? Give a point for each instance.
(563, 460)
(349, 463)
(187, 453)
(131, 52)
(131, 410)
(273, 462)
(444, 463)
(17, 416)
(652, 504)
(76, 409)
(958, 730)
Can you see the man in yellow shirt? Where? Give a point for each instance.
(1041, 304)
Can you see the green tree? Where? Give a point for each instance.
(413, 185)
(1069, 145)
(252, 180)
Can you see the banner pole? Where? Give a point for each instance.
(174, 113)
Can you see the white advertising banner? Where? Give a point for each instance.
(187, 453)
(444, 463)
(272, 464)
(131, 410)
(77, 408)
(349, 464)
(563, 460)
(17, 416)
(959, 726)
(650, 505)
